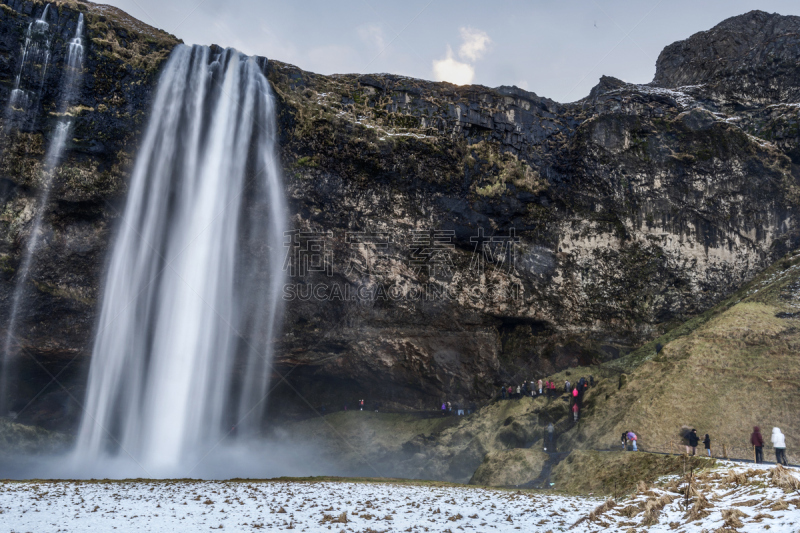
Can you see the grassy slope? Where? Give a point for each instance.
(608, 473)
(733, 367)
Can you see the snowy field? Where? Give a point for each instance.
(731, 498)
(305, 506)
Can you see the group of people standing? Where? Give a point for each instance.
(548, 388)
(778, 443)
(756, 440)
(458, 409)
(528, 388)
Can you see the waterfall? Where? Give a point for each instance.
(183, 344)
(73, 69)
(34, 59)
(69, 83)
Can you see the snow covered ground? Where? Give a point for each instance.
(744, 499)
(275, 505)
(730, 498)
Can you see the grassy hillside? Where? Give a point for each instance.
(617, 473)
(733, 367)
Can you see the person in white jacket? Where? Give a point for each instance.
(779, 443)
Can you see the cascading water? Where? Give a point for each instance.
(34, 60)
(193, 287)
(73, 67)
(71, 77)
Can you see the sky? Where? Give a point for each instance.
(557, 49)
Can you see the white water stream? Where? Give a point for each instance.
(191, 299)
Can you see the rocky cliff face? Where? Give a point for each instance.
(453, 238)
(634, 208)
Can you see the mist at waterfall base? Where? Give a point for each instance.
(255, 459)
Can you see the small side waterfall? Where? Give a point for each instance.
(73, 69)
(69, 83)
(34, 60)
(191, 299)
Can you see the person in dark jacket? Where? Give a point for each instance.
(694, 439)
(707, 444)
(758, 443)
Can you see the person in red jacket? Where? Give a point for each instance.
(758, 443)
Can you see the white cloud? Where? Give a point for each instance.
(474, 45)
(372, 34)
(452, 70)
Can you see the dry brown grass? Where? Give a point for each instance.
(630, 511)
(597, 512)
(653, 507)
(732, 516)
(780, 505)
(699, 508)
(784, 478)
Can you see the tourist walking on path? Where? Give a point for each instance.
(758, 444)
(624, 440)
(694, 439)
(540, 387)
(632, 437)
(575, 412)
(779, 443)
(707, 444)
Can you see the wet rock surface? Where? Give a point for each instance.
(476, 236)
